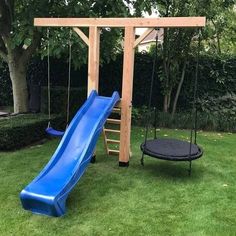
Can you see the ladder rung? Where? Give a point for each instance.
(112, 131)
(113, 141)
(113, 121)
(116, 110)
(118, 104)
(113, 152)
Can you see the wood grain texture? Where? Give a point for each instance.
(122, 22)
(82, 35)
(127, 90)
(93, 59)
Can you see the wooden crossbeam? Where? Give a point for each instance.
(82, 35)
(163, 22)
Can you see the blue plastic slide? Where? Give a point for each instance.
(48, 192)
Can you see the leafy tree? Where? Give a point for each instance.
(19, 39)
(220, 31)
(179, 44)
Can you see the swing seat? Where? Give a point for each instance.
(53, 132)
(171, 149)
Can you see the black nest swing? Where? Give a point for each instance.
(171, 149)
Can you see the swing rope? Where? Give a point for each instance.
(69, 81)
(49, 79)
(49, 129)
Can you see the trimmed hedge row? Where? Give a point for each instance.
(22, 130)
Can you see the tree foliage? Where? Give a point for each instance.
(180, 44)
(19, 39)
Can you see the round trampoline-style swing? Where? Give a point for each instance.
(172, 149)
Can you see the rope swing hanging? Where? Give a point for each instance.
(169, 148)
(50, 130)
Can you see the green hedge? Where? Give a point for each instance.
(22, 130)
(217, 80)
(206, 120)
(217, 77)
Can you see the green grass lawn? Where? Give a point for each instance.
(157, 199)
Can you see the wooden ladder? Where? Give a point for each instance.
(112, 135)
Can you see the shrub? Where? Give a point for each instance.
(221, 110)
(21, 130)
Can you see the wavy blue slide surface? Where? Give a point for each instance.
(48, 192)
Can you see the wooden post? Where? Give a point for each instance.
(126, 101)
(93, 58)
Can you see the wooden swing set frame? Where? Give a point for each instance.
(130, 43)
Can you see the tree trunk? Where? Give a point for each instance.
(169, 98)
(165, 105)
(218, 43)
(17, 70)
(217, 37)
(179, 89)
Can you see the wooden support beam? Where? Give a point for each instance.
(122, 22)
(82, 35)
(142, 37)
(93, 58)
(127, 90)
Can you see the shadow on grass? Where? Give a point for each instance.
(173, 170)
